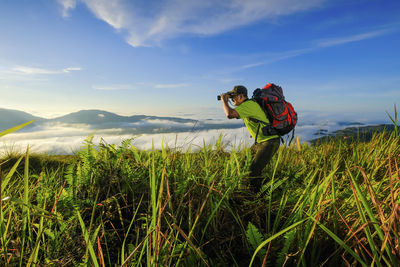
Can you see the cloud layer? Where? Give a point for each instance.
(147, 24)
(64, 138)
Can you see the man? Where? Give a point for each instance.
(265, 146)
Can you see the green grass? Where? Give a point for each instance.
(336, 203)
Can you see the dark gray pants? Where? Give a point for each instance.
(261, 155)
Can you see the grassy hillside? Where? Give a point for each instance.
(335, 203)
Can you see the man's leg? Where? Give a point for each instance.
(261, 155)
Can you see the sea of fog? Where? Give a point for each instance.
(62, 138)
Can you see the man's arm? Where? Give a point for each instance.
(229, 112)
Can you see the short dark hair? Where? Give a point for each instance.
(239, 90)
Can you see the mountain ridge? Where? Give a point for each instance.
(96, 116)
(12, 117)
(101, 119)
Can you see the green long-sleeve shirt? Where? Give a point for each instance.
(250, 109)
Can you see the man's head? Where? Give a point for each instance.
(238, 94)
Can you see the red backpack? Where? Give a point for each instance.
(280, 113)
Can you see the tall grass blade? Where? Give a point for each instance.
(372, 217)
(4, 226)
(25, 212)
(16, 128)
(34, 255)
(394, 120)
(211, 216)
(129, 228)
(339, 241)
(6, 180)
(274, 237)
(197, 250)
(271, 190)
(87, 240)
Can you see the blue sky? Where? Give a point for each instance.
(173, 57)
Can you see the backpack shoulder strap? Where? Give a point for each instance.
(258, 128)
(257, 121)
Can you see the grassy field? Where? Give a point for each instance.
(332, 204)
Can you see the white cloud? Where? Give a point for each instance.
(176, 85)
(352, 38)
(113, 12)
(271, 58)
(150, 24)
(66, 6)
(69, 69)
(23, 70)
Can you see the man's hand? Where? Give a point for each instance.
(225, 97)
(229, 112)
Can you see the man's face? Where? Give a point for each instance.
(237, 100)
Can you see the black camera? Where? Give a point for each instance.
(231, 95)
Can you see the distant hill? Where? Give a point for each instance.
(89, 117)
(10, 118)
(108, 119)
(362, 133)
